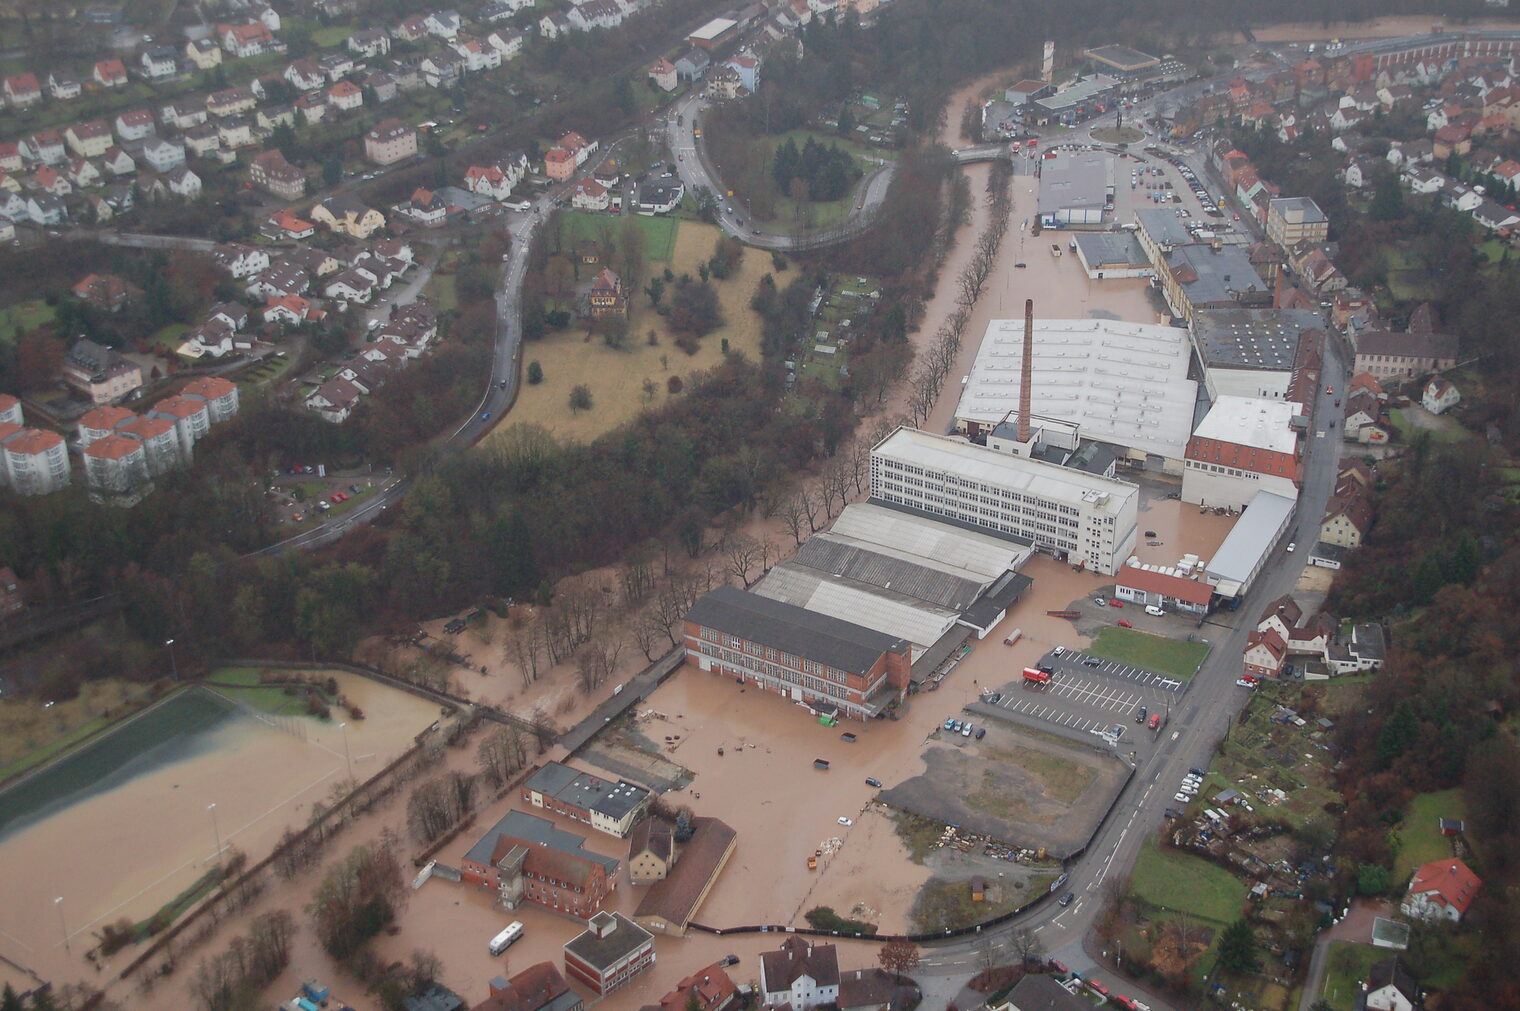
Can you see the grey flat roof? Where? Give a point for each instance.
(585, 791)
(1253, 338)
(539, 832)
(840, 644)
(1123, 57)
(1074, 180)
(1000, 596)
(1163, 226)
(601, 952)
(1309, 208)
(1102, 249)
(842, 558)
(1250, 537)
(551, 778)
(1221, 273)
(1330, 552)
(1076, 94)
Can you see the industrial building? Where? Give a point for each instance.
(1242, 446)
(1123, 59)
(1083, 518)
(1078, 101)
(1246, 548)
(1200, 277)
(607, 807)
(1112, 254)
(1253, 352)
(928, 581)
(1075, 188)
(1121, 384)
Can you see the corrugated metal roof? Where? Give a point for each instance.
(844, 645)
(839, 557)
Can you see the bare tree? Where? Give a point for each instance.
(817, 505)
(648, 634)
(742, 552)
(524, 648)
(636, 574)
(793, 510)
(1026, 944)
(836, 482)
(438, 803)
(544, 731)
(501, 753)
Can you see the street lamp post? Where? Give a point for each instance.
(216, 832)
(173, 665)
(347, 756)
(58, 902)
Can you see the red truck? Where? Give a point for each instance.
(1035, 677)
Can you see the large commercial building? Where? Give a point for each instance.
(1122, 384)
(1242, 446)
(1404, 355)
(1201, 277)
(607, 807)
(1075, 188)
(927, 581)
(1250, 541)
(608, 953)
(1082, 517)
(1254, 352)
(1112, 254)
(834, 667)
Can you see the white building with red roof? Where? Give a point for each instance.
(1164, 586)
(190, 417)
(36, 461)
(116, 469)
(1441, 890)
(220, 396)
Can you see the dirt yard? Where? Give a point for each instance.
(125, 852)
(617, 378)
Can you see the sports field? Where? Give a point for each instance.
(136, 816)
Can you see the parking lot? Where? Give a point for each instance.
(1091, 695)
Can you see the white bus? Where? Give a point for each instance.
(504, 940)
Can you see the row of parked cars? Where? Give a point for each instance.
(1096, 987)
(965, 728)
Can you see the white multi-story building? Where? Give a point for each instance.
(1243, 445)
(36, 461)
(1085, 517)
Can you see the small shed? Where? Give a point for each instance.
(1452, 826)
(1227, 796)
(978, 888)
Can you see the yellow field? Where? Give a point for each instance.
(617, 378)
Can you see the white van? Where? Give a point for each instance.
(504, 940)
(1154, 611)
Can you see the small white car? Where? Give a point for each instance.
(846, 822)
(1245, 684)
(1182, 798)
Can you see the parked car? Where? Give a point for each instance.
(966, 729)
(1068, 899)
(1154, 611)
(950, 724)
(981, 732)
(1246, 684)
(873, 782)
(1092, 661)
(1141, 714)
(1126, 623)
(846, 822)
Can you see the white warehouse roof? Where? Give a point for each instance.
(1124, 384)
(1252, 421)
(930, 542)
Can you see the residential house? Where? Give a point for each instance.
(539, 987)
(442, 69)
(284, 226)
(318, 262)
(444, 24)
(663, 74)
(100, 374)
(1423, 180)
(106, 292)
(747, 66)
(191, 420)
(552, 26)
(801, 975)
(1265, 653)
(219, 395)
(1495, 216)
(46, 209)
(1394, 355)
(1391, 987)
(1439, 395)
(63, 86)
(609, 953)
(270, 116)
(278, 279)
(304, 74)
(477, 55)
(234, 314)
(10, 156)
(1440, 890)
(161, 154)
(390, 141)
(707, 989)
(110, 73)
(235, 132)
(35, 461)
(349, 215)
(604, 14)
(505, 41)
(490, 181)
(116, 470)
(268, 15)
(425, 207)
(382, 85)
(525, 858)
(21, 90)
(158, 63)
(1451, 140)
(345, 96)
(286, 310)
(335, 66)
(659, 196)
(203, 54)
(88, 140)
(312, 106)
(270, 171)
(559, 164)
(590, 195)
(607, 296)
(99, 422)
(1364, 648)
(370, 43)
(202, 140)
(351, 286)
(692, 64)
(500, 10)
(182, 114)
(49, 180)
(723, 83)
(410, 29)
(231, 101)
(45, 146)
(1347, 519)
(247, 40)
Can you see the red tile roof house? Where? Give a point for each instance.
(525, 858)
(1163, 588)
(539, 987)
(1265, 653)
(711, 987)
(111, 74)
(22, 90)
(1440, 890)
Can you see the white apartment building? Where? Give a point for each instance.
(1085, 517)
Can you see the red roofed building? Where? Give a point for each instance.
(160, 443)
(712, 988)
(189, 416)
(22, 90)
(1441, 890)
(105, 291)
(589, 195)
(99, 422)
(116, 469)
(36, 462)
(537, 988)
(110, 74)
(1163, 587)
(10, 409)
(663, 74)
(559, 163)
(220, 396)
(1265, 653)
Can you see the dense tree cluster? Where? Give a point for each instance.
(824, 172)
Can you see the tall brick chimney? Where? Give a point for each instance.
(1026, 373)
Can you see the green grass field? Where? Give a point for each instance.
(172, 722)
(1175, 659)
(1420, 838)
(18, 319)
(265, 698)
(1180, 883)
(1348, 964)
(659, 232)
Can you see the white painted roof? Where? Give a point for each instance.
(1124, 384)
(1251, 421)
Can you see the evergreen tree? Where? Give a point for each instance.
(784, 164)
(9, 1001)
(1399, 732)
(1237, 948)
